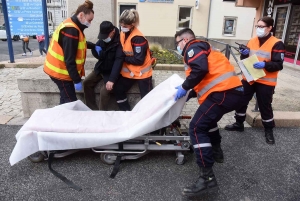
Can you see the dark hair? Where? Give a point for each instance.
(86, 8)
(185, 31)
(268, 20)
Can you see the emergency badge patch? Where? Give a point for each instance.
(138, 49)
(191, 53)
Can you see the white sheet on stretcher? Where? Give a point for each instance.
(75, 126)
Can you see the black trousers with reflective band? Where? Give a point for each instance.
(202, 128)
(66, 89)
(264, 96)
(124, 84)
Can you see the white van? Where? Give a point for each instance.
(3, 35)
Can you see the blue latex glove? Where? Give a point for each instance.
(98, 49)
(244, 51)
(180, 92)
(259, 65)
(78, 86)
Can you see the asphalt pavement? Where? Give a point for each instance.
(252, 171)
(17, 49)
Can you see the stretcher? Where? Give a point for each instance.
(152, 125)
(171, 138)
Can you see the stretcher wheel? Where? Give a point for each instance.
(36, 157)
(107, 158)
(185, 145)
(180, 162)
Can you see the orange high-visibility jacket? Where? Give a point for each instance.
(133, 71)
(55, 65)
(220, 77)
(263, 53)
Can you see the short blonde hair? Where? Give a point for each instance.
(130, 17)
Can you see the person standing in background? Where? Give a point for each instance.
(41, 40)
(270, 53)
(25, 43)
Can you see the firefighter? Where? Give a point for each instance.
(137, 66)
(270, 52)
(66, 55)
(212, 79)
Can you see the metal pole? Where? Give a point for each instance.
(297, 51)
(8, 34)
(227, 52)
(45, 19)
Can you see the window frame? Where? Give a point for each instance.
(191, 18)
(234, 18)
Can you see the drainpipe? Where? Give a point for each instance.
(208, 18)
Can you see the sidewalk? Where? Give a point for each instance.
(11, 109)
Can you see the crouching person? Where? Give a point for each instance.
(108, 51)
(212, 79)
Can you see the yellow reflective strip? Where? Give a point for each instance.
(55, 69)
(58, 70)
(79, 61)
(81, 45)
(56, 55)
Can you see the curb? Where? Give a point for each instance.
(282, 118)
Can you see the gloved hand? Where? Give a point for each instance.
(98, 49)
(244, 51)
(259, 65)
(78, 86)
(180, 92)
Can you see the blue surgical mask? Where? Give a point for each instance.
(179, 50)
(107, 40)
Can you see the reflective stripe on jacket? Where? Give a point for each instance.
(133, 71)
(55, 65)
(221, 75)
(263, 53)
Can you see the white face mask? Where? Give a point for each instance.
(123, 29)
(107, 40)
(260, 32)
(87, 24)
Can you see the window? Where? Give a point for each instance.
(184, 18)
(1, 11)
(126, 7)
(229, 26)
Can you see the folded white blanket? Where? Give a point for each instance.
(75, 126)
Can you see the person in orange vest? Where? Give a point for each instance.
(212, 79)
(66, 54)
(270, 53)
(137, 65)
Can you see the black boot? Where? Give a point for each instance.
(235, 127)
(269, 136)
(206, 183)
(218, 153)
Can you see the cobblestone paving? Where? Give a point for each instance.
(11, 105)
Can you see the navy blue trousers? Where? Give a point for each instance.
(124, 84)
(264, 96)
(203, 130)
(66, 89)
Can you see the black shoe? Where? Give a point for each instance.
(269, 136)
(206, 183)
(235, 127)
(218, 153)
